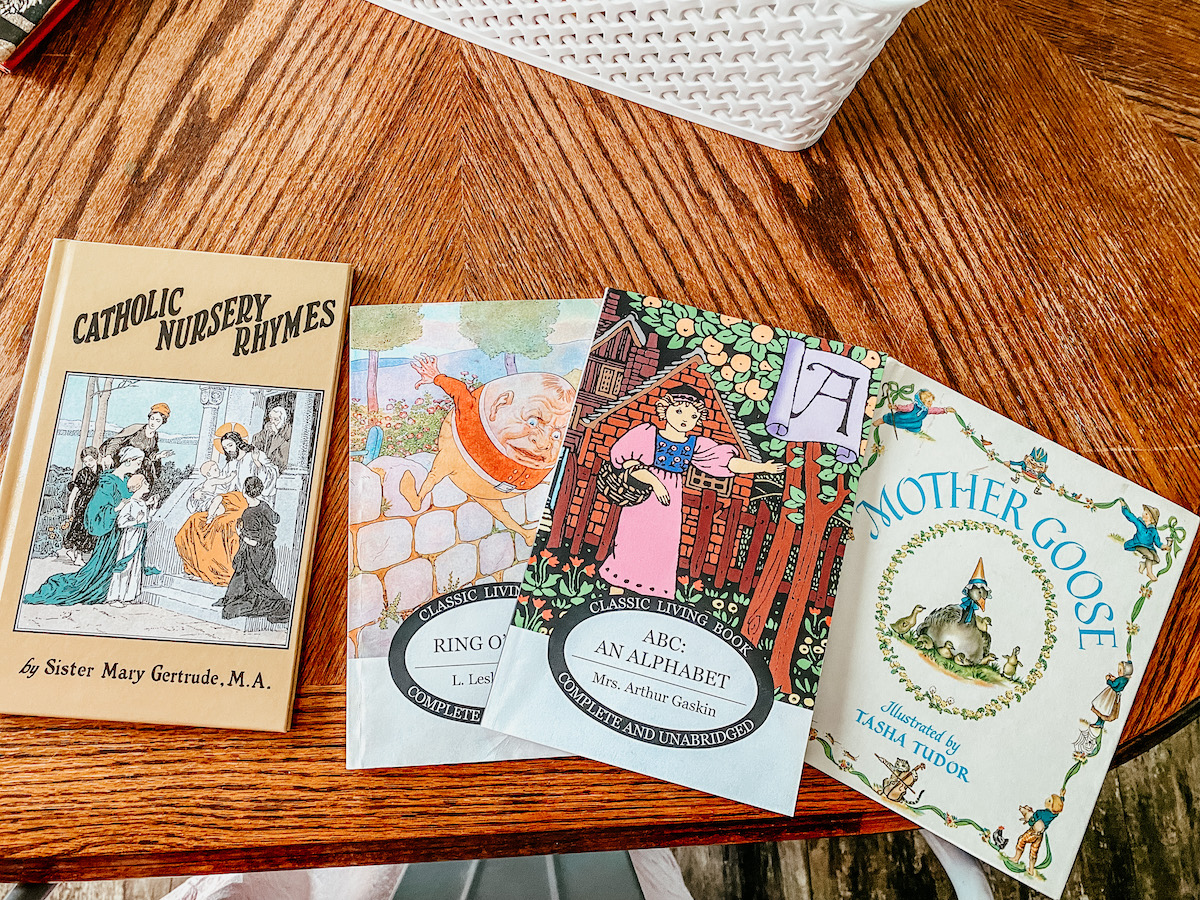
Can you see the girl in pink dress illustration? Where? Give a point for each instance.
(645, 554)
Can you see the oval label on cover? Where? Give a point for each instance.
(443, 657)
(660, 672)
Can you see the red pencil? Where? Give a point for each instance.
(51, 18)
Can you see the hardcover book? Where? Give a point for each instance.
(161, 484)
(1006, 596)
(457, 415)
(674, 614)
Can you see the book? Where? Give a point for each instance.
(161, 483)
(1000, 599)
(674, 614)
(457, 415)
(23, 24)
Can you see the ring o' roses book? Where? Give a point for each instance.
(674, 613)
(457, 415)
(161, 485)
(1000, 599)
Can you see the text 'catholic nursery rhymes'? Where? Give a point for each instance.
(243, 312)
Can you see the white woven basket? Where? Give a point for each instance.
(770, 71)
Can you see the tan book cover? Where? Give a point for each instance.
(161, 485)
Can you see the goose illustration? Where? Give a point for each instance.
(903, 626)
(1009, 669)
(960, 623)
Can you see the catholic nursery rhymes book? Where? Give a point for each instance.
(458, 412)
(161, 484)
(674, 614)
(1001, 596)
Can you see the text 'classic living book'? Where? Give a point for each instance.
(161, 484)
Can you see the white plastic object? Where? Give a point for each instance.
(964, 871)
(770, 71)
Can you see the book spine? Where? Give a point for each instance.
(320, 459)
(29, 403)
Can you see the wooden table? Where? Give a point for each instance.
(1007, 202)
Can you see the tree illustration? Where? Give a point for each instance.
(85, 424)
(511, 329)
(100, 391)
(745, 361)
(103, 393)
(379, 328)
(818, 489)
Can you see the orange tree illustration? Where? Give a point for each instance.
(380, 328)
(744, 360)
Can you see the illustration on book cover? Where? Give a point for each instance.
(968, 545)
(708, 479)
(172, 510)
(458, 415)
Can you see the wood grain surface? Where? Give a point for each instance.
(1007, 202)
(1120, 859)
(1142, 845)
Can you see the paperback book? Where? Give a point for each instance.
(457, 415)
(161, 483)
(675, 610)
(1006, 597)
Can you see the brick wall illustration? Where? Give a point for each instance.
(716, 511)
(401, 557)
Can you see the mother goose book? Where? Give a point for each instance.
(161, 485)
(1000, 599)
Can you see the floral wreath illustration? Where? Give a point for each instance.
(1021, 686)
(1173, 535)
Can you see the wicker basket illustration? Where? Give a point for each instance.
(770, 71)
(619, 485)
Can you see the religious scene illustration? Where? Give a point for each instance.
(967, 621)
(681, 479)
(172, 510)
(457, 417)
